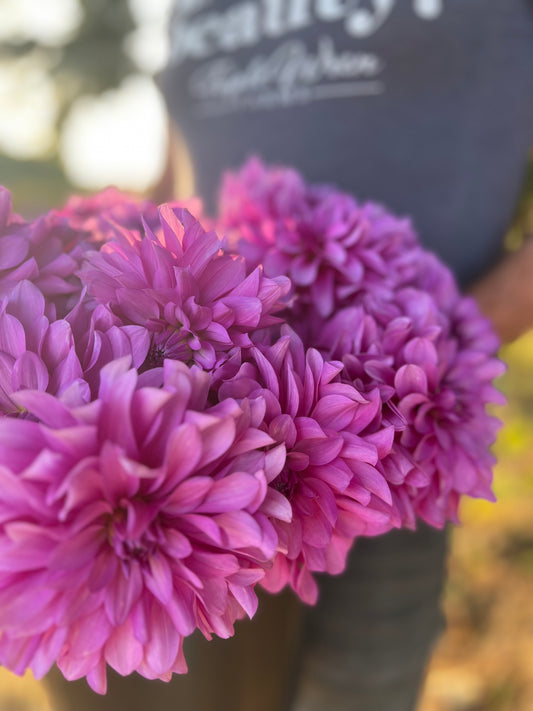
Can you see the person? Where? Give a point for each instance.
(426, 106)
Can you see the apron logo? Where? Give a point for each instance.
(244, 24)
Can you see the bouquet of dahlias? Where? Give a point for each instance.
(190, 412)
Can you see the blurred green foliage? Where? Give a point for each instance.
(92, 61)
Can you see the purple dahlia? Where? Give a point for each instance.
(435, 379)
(336, 251)
(334, 439)
(97, 215)
(195, 302)
(35, 353)
(47, 252)
(127, 523)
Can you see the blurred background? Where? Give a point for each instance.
(79, 110)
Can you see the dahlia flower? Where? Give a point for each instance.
(47, 252)
(195, 302)
(127, 523)
(435, 379)
(100, 337)
(366, 293)
(183, 417)
(96, 215)
(36, 354)
(333, 438)
(256, 193)
(335, 251)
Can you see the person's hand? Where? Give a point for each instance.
(505, 295)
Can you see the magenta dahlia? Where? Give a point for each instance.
(96, 215)
(183, 417)
(194, 301)
(336, 252)
(435, 379)
(127, 523)
(47, 252)
(36, 354)
(334, 439)
(366, 293)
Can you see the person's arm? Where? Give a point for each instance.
(505, 294)
(177, 181)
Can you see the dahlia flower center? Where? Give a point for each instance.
(154, 359)
(448, 407)
(286, 483)
(8, 407)
(164, 345)
(129, 544)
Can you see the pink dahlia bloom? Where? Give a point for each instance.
(96, 215)
(256, 193)
(435, 378)
(166, 440)
(127, 523)
(334, 439)
(336, 251)
(100, 337)
(194, 301)
(453, 431)
(36, 354)
(48, 252)
(366, 293)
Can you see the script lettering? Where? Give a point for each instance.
(273, 18)
(364, 22)
(428, 9)
(241, 28)
(244, 24)
(330, 10)
(299, 14)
